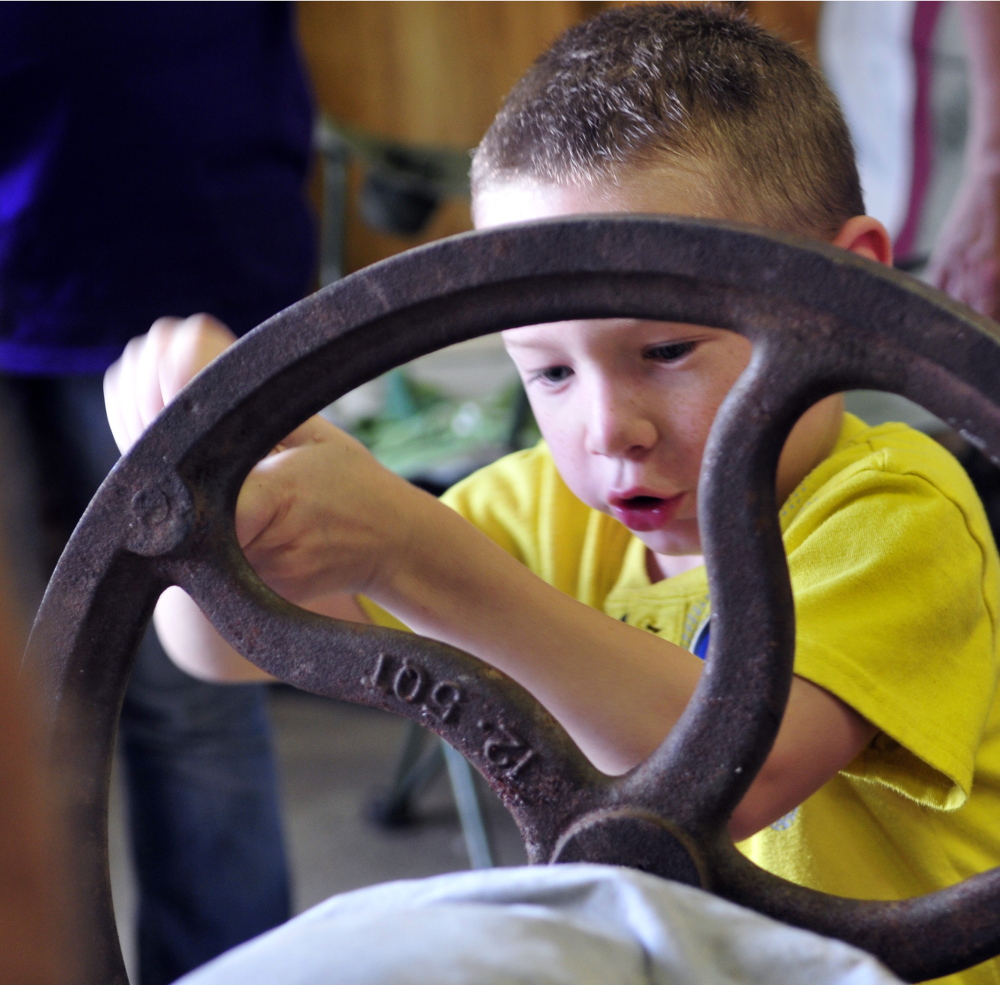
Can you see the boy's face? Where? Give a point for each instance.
(626, 405)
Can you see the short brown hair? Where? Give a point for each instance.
(663, 83)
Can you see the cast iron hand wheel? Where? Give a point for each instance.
(821, 321)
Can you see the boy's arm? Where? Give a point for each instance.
(321, 517)
(616, 689)
(192, 642)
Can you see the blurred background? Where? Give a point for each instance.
(402, 93)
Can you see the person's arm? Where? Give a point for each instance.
(966, 258)
(320, 518)
(616, 689)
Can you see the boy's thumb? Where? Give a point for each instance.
(256, 506)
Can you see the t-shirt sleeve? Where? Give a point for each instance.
(503, 501)
(379, 616)
(895, 590)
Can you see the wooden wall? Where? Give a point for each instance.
(793, 20)
(423, 72)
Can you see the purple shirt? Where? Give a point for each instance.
(152, 162)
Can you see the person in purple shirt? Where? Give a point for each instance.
(152, 162)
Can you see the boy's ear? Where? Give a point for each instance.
(867, 237)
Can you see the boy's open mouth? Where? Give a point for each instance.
(645, 513)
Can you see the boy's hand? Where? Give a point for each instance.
(317, 515)
(289, 510)
(154, 367)
(321, 516)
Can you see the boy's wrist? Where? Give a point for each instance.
(410, 542)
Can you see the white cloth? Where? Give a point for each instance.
(867, 55)
(865, 52)
(544, 925)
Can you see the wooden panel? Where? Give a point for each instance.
(430, 72)
(422, 72)
(792, 20)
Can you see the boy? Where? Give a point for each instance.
(584, 573)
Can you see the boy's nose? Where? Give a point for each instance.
(618, 427)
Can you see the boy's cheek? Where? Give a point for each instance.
(581, 481)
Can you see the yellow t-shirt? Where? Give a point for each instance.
(896, 583)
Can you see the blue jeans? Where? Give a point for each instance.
(204, 814)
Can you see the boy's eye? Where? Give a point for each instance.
(670, 352)
(554, 374)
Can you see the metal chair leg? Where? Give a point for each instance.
(470, 808)
(419, 762)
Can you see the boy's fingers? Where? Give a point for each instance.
(122, 387)
(256, 507)
(194, 343)
(154, 367)
(113, 406)
(148, 395)
(311, 431)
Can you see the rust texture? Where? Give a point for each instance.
(821, 320)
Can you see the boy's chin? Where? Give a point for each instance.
(681, 540)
